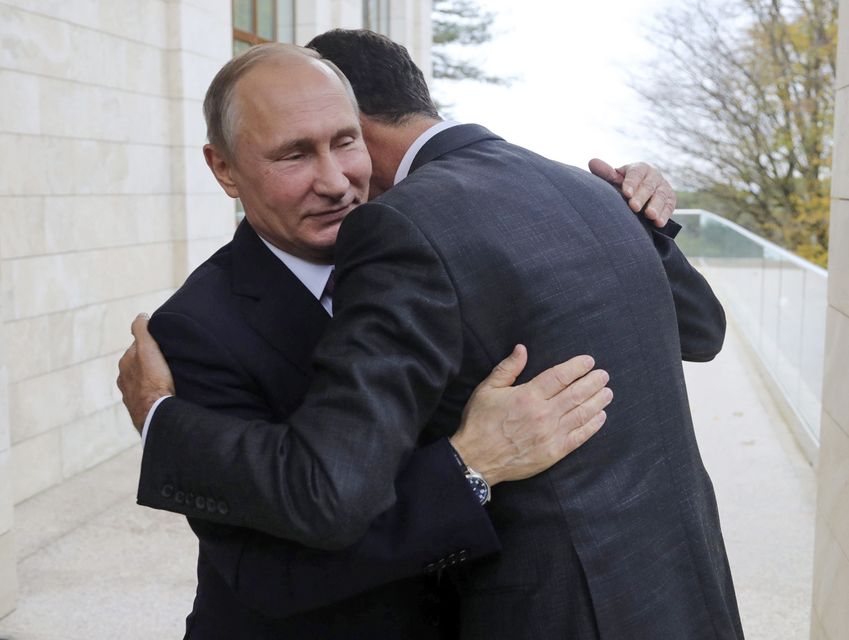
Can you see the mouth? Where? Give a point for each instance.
(339, 212)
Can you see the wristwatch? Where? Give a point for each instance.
(477, 483)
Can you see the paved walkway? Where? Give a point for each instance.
(93, 565)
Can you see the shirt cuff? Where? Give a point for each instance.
(149, 418)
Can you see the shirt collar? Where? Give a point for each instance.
(313, 276)
(407, 160)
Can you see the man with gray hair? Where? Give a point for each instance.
(297, 162)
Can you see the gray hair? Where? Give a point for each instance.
(219, 108)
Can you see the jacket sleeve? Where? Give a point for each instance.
(435, 523)
(701, 319)
(322, 476)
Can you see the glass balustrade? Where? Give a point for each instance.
(778, 301)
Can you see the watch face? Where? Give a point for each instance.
(479, 488)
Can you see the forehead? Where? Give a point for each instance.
(285, 94)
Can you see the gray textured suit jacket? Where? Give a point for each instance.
(485, 245)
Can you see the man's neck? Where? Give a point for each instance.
(388, 143)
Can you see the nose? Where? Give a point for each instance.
(330, 179)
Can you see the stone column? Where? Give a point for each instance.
(830, 615)
(8, 556)
(203, 218)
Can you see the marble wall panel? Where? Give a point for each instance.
(53, 283)
(41, 45)
(39, 405)
(203, 27)
(43, 165)
(21, 226)
(95, 438)
(843, 45)
(82, 223)
(8, 574)
(833, 481)
(840, 162)
(831, 583)
(6, 504)
(838, 257)
(19, 108)
(36, 465)
(189, 73)
(28, 347)
(835, 399)
(140, 21)
(89, 332)
(74, 110)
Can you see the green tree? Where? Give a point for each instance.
(743, 94)
(458, 24)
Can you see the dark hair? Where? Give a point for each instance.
(388, 85)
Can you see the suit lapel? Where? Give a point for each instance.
(276, 304)
(450, 140)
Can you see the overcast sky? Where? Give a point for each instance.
(572, 60)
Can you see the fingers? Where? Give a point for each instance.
(640, 184)
(584, 412)
(122, 365)
(661, 204)
(574, 438)
(505, 372)
(606, 172)
(581, 391)
(139, 330)
(552, 381)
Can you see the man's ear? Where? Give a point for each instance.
(221, 168)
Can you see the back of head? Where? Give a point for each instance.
(389, 86)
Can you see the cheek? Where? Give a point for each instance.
(359, 168)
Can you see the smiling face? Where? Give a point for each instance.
(299, 163)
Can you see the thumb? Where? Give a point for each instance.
(140, 332)
(606, 172)
(505, 372)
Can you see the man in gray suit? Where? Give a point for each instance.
(483, 245)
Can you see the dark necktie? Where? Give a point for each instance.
(331, 284)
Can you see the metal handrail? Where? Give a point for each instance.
(784, 253)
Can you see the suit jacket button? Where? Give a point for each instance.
(190, 498)
(179, 497)
(167, 490)
(223, 509)
(200, 502)
(430, 568)
(211, 505)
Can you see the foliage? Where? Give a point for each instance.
(743, 94)
(457, 24)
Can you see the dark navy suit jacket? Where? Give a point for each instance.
(239, 336)
(482, 246)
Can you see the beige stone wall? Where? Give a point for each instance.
(830, 619)
(105, 204)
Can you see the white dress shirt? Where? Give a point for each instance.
(418, 143)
